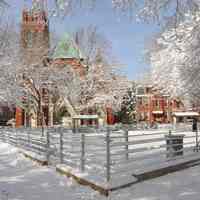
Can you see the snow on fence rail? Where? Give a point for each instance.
(107, 154)
(26, 139)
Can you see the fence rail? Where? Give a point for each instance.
(107, 153)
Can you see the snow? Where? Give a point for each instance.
(22, 179)
(85, 117)
(186, 114)
(147, 151)
(157, 112)
(34, 155)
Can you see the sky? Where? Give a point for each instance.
(128, 37)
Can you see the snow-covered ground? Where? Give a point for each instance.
(22, 179)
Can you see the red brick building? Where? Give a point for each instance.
(6, 114)
(153, 106)
(34, 47)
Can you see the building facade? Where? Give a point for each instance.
(153, 106)
(35, 51)
(34, 48)
(6, 114)
(67, 54)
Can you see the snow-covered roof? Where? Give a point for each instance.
(144, 95)
(66, 48)
(85, 117)
(157, 112)
(186, 114)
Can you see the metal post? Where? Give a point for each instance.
(7, 138)
(126, 143)
(28, 135)
(82, 152)
(4, 137)
(47, 146)
(16, 137)
(197, 139)
(108, 155)
(170, 146)
(73, 125)
(61, 145)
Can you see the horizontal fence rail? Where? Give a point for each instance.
(108, 152)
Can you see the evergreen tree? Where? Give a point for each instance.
(127, 113)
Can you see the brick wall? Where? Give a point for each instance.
(154, 107)
(72, 62)
(19, 117)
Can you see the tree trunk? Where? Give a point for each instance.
(40, 114)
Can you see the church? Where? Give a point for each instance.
(35, 40)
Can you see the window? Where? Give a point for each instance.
(145, 101)
(156, 104)
(140, 100)
(148, 90)
(140, 90)
(178, 104)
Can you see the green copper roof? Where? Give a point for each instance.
(37, 6)
(66, 49)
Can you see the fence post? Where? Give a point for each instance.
(48, 146)
(61, 145)
(108, 155)
(197, 141)
(126, 143)
(28, 135)
(4, 137)
(82, 152)
(16, 138)
(170, 147)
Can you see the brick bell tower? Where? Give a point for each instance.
(34, 41)
(35, 33)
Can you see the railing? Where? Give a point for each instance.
(25, 138)
(107, 154)
(133, 152)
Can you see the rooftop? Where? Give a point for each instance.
(186, 114)
(66, 48)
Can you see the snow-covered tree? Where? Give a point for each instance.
(102, 84)
(177, 53)
(175, 59)
(8, 56)
(91, 43)
(3, 3)
(128, 108)
(103, 87)
(26, 74)
(146, 10)
(23, 83)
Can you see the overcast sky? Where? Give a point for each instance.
(128, 37)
